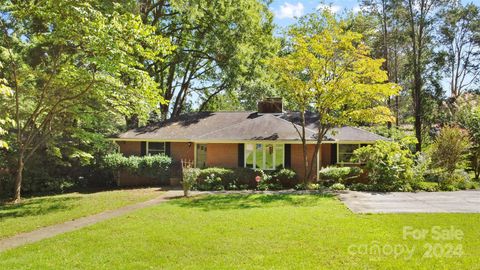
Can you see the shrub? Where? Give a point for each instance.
(331, 175)
(459, 179)
(241, 178)
(448, 152)
(338, 186)
(469, 117)
(420, 169)
(268, 181)
(156, 166)
(388, 164)
(427, 186)
(286, 177)
(189, 178)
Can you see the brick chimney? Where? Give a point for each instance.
(272, 105)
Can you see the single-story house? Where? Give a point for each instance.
(266, 139)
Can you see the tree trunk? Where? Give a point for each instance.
(18, 179)
(418, 113)
(305, 153)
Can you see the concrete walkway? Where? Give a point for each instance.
(407, 202)
(53, 230)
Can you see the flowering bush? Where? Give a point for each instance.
(189, 179)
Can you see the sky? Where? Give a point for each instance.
(285, 11)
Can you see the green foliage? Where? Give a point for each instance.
(71, 63)
(458, 179)
(242, 178)
(308, 186)
(388, 164)
(448, 152)
(327, 68)
(337, 186)
(286, 177)
(156, 166)
(421, 166)
(470, 119)
(332, 174)
(427, 186)
(220, 47)
(189, 178)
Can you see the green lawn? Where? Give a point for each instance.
(38, 212)
(250, 232)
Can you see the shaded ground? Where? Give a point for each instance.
(407, 202)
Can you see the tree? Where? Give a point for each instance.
(329, 69)
(459, 30)
(388, 41)
(419, 17)
(65, 57)
(219, 48)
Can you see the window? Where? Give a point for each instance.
(345, 152)
(156, 148)
(264, 156)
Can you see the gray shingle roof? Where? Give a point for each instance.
(240, 126)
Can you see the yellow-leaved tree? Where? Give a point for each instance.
(327, 68)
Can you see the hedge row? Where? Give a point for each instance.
(156, 166)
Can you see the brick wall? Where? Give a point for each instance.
(297, 159)
(130, 148)
(222, 155)
(182, 150)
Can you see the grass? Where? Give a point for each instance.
(250, 232)
(39, 212)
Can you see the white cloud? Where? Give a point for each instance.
(288, 10)
(332, 8)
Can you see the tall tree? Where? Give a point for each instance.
(65, 56)
(419, 18)
(460, 34)
(329, 69)
(388, 41)
(219, 47)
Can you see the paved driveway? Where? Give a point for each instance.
(406, 202)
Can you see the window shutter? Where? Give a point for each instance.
(143, 148)
(334, 153)
(241, 155)
(288, 156)
(167, 149)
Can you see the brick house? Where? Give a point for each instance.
(267, 139)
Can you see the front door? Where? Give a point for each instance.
(201, 155)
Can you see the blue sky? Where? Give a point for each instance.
(286, 10)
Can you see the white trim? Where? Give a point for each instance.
(255, 165)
